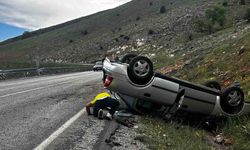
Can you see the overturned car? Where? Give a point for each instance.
(135, 83)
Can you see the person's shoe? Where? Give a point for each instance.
(100, 114)
(88, 110)
(108, 116)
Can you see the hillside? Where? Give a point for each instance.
(89, 38)
(85, 38)
(175, 39)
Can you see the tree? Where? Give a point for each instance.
(150, 32)
(242, 2)
(225, 3)
(84, 32)
(247, 16)
(163, 9)
(215, 15)
(25, 35)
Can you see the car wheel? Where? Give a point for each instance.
(232, 101)
(128, 57)
(213, 84)
(140, 70)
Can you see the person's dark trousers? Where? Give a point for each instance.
(104, 103)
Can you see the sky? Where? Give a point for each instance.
(17, 16)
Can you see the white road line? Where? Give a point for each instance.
(54, 135)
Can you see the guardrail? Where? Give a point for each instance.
(25, 72)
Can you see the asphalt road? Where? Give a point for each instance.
(31, 109)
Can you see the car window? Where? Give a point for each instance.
(98, 63)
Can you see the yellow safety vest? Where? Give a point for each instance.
(100, 97)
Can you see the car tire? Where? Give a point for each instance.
(140, 70)
(213, 84)
(232, 100)
(128, 58)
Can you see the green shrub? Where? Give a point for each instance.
(26, 34)
(200, 25)
(163, 9)
(247, 16)
(225, 3)
(84, 32)
(126, 38)
(215, 15)
(150, 32)
(242, 2)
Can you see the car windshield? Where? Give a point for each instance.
(98, 63)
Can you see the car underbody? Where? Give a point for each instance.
(140, 89)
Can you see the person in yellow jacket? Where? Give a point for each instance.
(100, 102)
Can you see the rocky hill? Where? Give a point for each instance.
(178, 35)
(127, 28)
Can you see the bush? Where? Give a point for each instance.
(215, 15)
(151, 3)
(150, 32)
(138, 18)
(126, 38)
(163, 9)
(247, 16)
(225, 3)
(190, 36)
(84, 32)
(26, 34)
(200, 25)
(71, 41)
(242, 2)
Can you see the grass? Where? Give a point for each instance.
(161, 135)
(239, 130)
(222, 63)
(225, 65)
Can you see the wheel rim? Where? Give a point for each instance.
(141, 68)
(234, 98)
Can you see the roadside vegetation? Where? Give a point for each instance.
(231, 133)
(223, 56)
